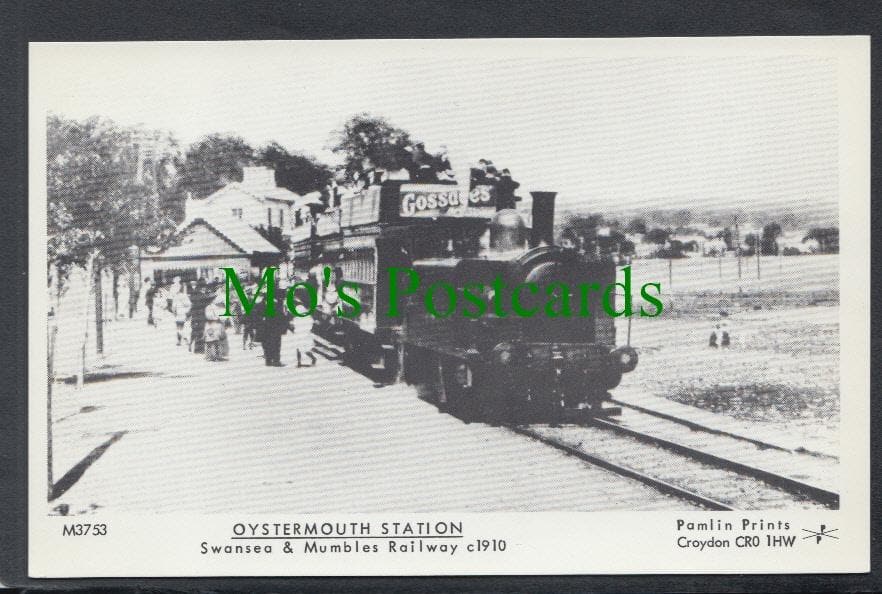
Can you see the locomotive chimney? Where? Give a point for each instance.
(543, 218)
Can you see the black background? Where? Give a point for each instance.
(91, 20)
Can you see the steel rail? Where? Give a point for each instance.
(763, 445)
(619, 469)
(793, 486)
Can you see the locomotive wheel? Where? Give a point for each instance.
(610, 379)
(544, 405)
(596, 400)
(494, 404)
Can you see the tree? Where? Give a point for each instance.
(99, 202)
(672, 249)
(582, 230)
(615, 243)
(172, 199)
(728, 239)
(683, 217)
(827, 238)
(366, 141)
(657, 235)
(750, 240)
(299, 173)
(769, 241)
(96, 202)
(637, 225)
(210, 164)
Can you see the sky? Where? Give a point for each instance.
(610, 131)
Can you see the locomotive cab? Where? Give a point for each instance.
(528, 355)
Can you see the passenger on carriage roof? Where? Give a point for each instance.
(479, 174)
(505, 191)
(492, 173)
(443, 168)
(421, 170)
(369, 175)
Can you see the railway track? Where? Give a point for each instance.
(708, 467)
(703, 477)
(763, 445)
(655, 483)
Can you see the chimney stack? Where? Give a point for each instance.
(258, 178)
(543, 218)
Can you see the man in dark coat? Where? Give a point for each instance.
(492, 172)
(505, 191)
(272, 329)
(478, 174)
(149, 297)
(199, 301)
(421, 170)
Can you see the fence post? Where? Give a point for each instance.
(50, 379)
(89, 277)
(738, 248)
(99, 310)
(758, 253)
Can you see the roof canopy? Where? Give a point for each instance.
(235, 232)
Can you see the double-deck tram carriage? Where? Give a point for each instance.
(493, 368)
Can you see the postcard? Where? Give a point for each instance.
(449, 307)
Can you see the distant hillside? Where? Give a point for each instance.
(787, 218)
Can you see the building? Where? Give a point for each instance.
(715, 247)
(202, 247)
(256, 201)
(693, 243)
(794, 242)
(221, 231)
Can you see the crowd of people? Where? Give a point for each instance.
(422, 166)
(198, 309)
(486, 174)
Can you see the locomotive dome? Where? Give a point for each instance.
(507, 230)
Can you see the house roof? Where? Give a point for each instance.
(260, 194)
(261, 183)
(278, 194)
(257, 183)
(238, 233)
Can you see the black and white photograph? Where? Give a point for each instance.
(360, 295)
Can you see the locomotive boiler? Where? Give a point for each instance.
(505, 326)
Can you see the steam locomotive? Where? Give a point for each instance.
(491, 368)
